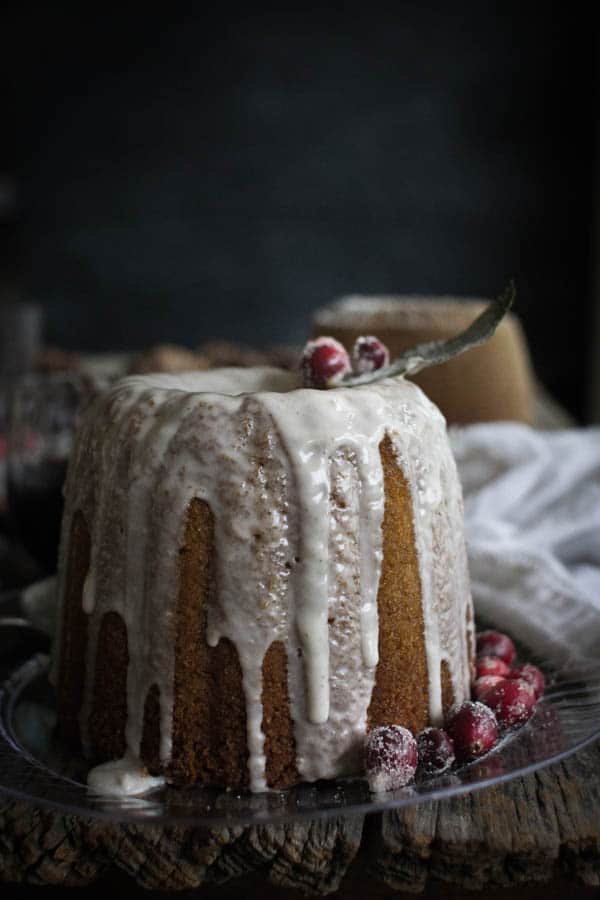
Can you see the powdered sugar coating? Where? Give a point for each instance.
(325, 363)
(511, 700)
(490, 665)
(369, 354)
(530, 673)
(473, 729)
(390, 758)
(494, 643)
(436, 751)
(483, 684)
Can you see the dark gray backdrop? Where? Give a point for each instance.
(184, 176)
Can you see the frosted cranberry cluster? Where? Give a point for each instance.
(504, 697)
(325, 362)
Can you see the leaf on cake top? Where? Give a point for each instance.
(432, 353)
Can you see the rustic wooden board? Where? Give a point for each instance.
(527, 830)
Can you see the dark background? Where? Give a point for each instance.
(181, 176)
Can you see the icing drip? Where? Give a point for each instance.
(294, 480)
(88, 600)
(334, 427)
(122, 777)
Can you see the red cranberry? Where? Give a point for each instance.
(390, 757)
(493, 643)
(483, 684)
(473, 729)
(530, 673)
(435, 750)
(491, 665)
(324, 363)
(369, 354)
(512, 701)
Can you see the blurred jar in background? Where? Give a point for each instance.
(490, 383)
(44, 411)
(20, 341)
(39, 413)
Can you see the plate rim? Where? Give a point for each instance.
(141, 810)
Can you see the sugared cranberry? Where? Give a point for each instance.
(390, 757)
(530, 673)
(473, 729)
(324, 363)
(435, 750)
(511, 701)
(369, 354)
(483, 684)
(491, 665)
(494, 643)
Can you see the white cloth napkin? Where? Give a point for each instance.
(532, 510)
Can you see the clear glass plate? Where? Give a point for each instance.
(35, 768)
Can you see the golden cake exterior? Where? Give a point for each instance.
(252, 575)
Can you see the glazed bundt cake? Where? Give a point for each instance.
(252, 574)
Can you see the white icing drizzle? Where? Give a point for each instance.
(122, 778)
(295, 484)
(88, 600)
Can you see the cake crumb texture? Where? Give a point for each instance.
(277, 725)
(400, 693)
(209, 712)
(108, 716)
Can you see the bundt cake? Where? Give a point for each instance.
(252, 574)
(492, 382)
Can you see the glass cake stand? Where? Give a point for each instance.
(36, 769)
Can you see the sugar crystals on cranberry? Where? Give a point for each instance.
(390, 757)
(490, 665)
(435, 750)
(369, 354)
(494, 643)
(530, 673)
(325, 363)
(473, 729)
(483, 684)
(511, 700)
